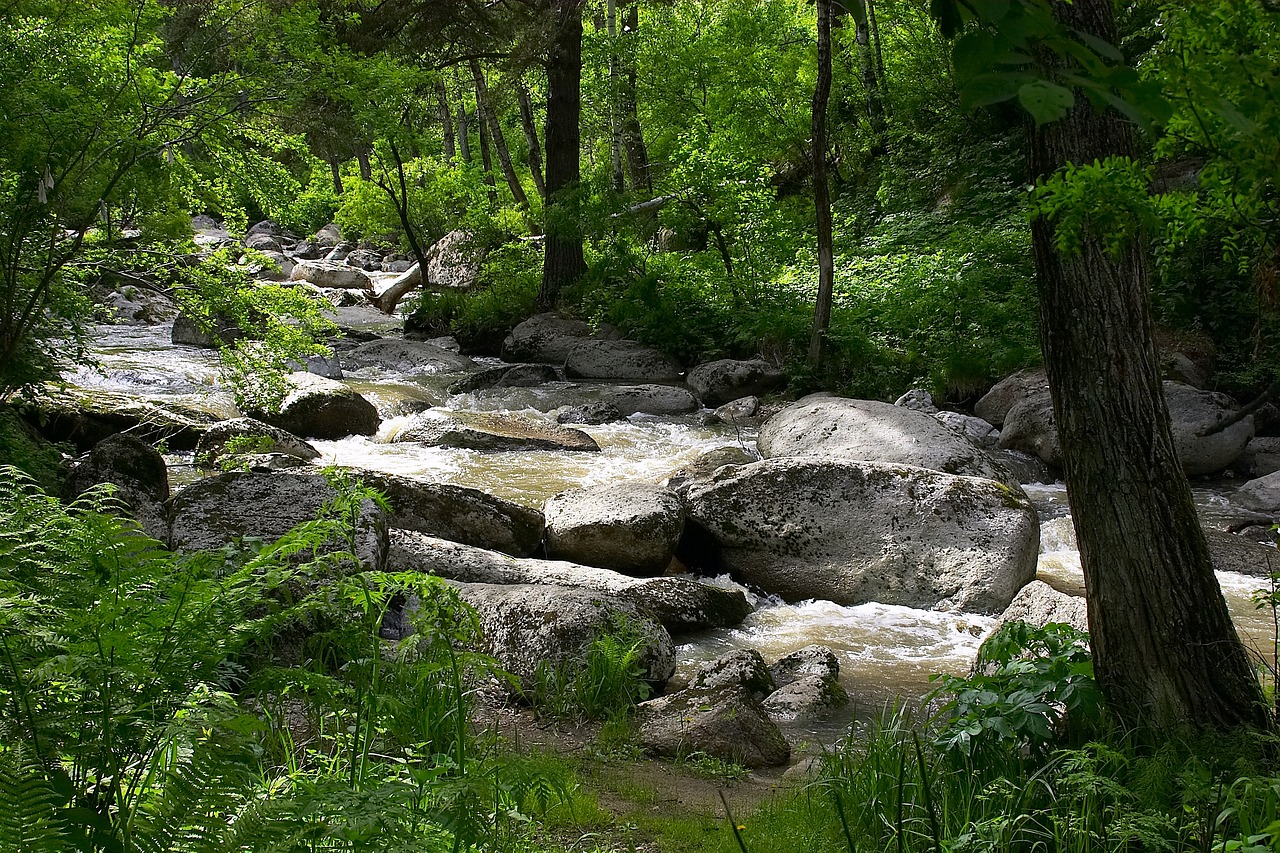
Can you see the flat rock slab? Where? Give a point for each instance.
(331, 274)
(458, 514)
(681, 604)
(854, 532)
(86, 418)
(493, 432)
(407, 357)
(213, 512)
(872, 431)
(255, 437)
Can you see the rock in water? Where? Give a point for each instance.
(137, 471)
(322, 408)
(493, 432)
(726, 380)
(620, 361)
(853, 532)
(629, 527)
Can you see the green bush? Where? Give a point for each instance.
(606, 683)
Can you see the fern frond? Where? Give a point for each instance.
(30, 819)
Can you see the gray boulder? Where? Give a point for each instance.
(205, 333)
(364, 259)
(919, 400)
(739, 668)
(1262, 494)
(679, 603)
(213, 512)
(980, 433)
(1029, 427)
(708, 464)
(626, 361)
(328, 236)
(1192, 410)
(402, 356)
(726, 380)
(727, 724)
(853, 532)
(871, 431)
(628, 527)
(651, 400)
(744, 411)
(1233, 553)
(138, 472)
(459, 514)
(506, 376)
(327, 366)
(545, 338)
(1039, 604)
(1263, 456)
(329, 273)
(493, 431)
(256, 437)
(592, 414)
(813, 660)
(136, 306)
(807, 698)
(996, 403)
(322, 408)
(1024, 467)
(453, 262)
(528, 627)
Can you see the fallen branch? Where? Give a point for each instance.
(1262, 399)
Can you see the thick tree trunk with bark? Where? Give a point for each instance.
(821, 195)
(563, 261)
(485, 108)
(446, 121)
(1165, 651)
(531, 138)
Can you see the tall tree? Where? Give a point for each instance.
(632, 134)
(563, 261)
(484, 107)
(821, 194)
(531, 138)
(1165, 651)
(446, 120)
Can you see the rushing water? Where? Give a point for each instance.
(886, 652)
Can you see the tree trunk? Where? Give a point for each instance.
(446, 121)
(464, 134)
(1164, 648)
(563, 261)
(485, 109)
(615, 127)
(870, 77)
(632, 135)
(362, 160)
(821, 196)
(335, 169)
(531, 137)
(486, 160)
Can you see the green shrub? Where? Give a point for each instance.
(605, 683)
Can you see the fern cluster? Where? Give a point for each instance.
(141, 708)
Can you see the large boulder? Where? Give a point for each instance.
(809, 661)
(1192, 411)
(529, 627)
(996, 403)
(249, 436)
(629, 527)
(322, 408)
(871, 431)
(739, 668)
(626, 361)
(708, 464)
(459, 514)
(213, 512)
(727, 724)
(1233, 553)
(138, 473)
(331, 274)
(1261, 456)
(506, 376)
(680, 603)
(1029, 426)
(663, 400)
(206, 333)
(1039, 604)
(805, 699)
(980, 433)
(453, 262)
(85, 418)
(723, 381)
(545, 338)
(402, 356)
(1261, 494)
(853, 532)
(492, 431)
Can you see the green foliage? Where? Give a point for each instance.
(278, 324)
(1028, 688)
(509, 280)
(24, 449)
(606, 683)
(1109, 199)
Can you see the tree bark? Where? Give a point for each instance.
(821, 195)
(1164, 648)
(486, 159)
(335, 169)
(632, 134)
(531, 137)
(485, 108)
(870, 77)
(563, 261)
(464, 134)
(615, 126)
(446, 121)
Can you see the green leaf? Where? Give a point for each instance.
(992, 88)
(1047, 102)
(971, 55)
